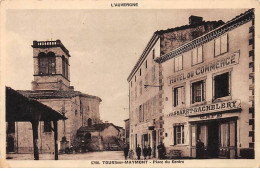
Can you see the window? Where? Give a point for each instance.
(135, 92)
(81, 108)
(47, 126)
(153, 73)
(64, 66)
(222, 85)
(146, 79)
(135, 78)
(178, 134)
(11, 127)
(140, 72)
(146, 64)
(153, 53)
(198, 91)
(131, 84)
(221, 45)
(178, 96)
(196, 55)
(140, 87)
(140, 114)
(178, 63)
(76, 112)
(47, 63)
(154, 105)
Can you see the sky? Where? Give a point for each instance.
(104, 46)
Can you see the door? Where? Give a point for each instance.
(213, 140)
(228, 140)
(10, 144)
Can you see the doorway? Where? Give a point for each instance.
(213, 140)
(154, 143)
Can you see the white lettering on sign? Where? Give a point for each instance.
(211, 66)
(210, 108)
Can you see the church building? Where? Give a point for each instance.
(51, 86)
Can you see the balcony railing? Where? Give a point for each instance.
(44, 44)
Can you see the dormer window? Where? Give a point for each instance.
(47, 63)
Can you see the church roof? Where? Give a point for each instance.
(54, 94)
(96, 127)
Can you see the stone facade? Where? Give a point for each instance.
(223, 120)
(146, 102)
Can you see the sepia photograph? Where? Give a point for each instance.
(123, 85)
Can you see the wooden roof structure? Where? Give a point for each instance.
(22, 109)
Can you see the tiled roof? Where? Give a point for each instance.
(160, 32)
(203, 23)
(230, 25)
(50, 94)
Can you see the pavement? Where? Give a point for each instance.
(101, 155)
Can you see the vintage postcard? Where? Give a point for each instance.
(129, 84)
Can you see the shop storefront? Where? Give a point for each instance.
(218, 136)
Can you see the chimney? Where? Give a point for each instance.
(195, 20)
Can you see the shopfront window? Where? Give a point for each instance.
(178, 96)
(198, 94)
(178, 134)
(222, 85)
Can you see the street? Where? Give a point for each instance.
(102, 155)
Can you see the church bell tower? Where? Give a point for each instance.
(51, 66)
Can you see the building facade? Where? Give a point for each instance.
(209, 95)
(51, 86)
(127, 130)
(103, 136)
(145, 82)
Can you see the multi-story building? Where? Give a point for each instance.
(208, 92)
(51, 86)
(145, 80)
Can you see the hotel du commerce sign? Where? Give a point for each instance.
(216, 64)
(208, 108)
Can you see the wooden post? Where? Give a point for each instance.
(35, 125)
(55, 140)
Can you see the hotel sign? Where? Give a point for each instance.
(209, 108)
(229, 60)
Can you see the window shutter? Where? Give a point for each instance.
(180, 63)
(175, 138)
(217, 46)
(182, 96)
(194, 56)
(186, 134)
(200, 54)
(224, 40)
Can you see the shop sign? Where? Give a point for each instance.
(216, 64)
(211, 116)
(209, 108)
